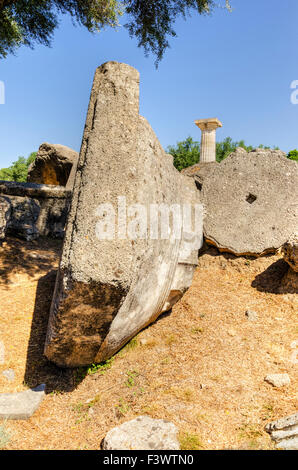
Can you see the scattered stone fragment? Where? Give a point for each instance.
(21, 405)
(9, 374)
(284, 432)
(53, 165)
(5, 211)
(290, 251)
(241, 211)
(278, 380)
(203, 386)
(232, 332)
(251, 315)
(143, 433)
(107, 290)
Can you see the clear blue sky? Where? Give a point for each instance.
(235, 66)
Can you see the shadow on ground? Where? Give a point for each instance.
(25, 257)
(38, 369)
(270, 280)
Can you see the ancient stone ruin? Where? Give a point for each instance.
(54, 165)
(109, 288)
(5, 211)
(29, 210)
(208, 139)
(250, 201)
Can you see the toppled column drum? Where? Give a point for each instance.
(117, 271)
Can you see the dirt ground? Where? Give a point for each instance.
(202, 366)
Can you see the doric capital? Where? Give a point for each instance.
(208, 124)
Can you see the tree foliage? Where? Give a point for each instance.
(187, 152)
(18, 170)
(150, 21)
(293, 155)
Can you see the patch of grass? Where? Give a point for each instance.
(202, 417)
(132, 375)
(102, 367)
(81, 372)
(81, 409)
(183, 394)
(153, 410)
(253, 444)
(94, 400)
(122, 407)
(133, 343)
(195, 330)
(165, 360)
(4, 437)
(190, 441)
(267, 411)
(171, 339)
(151, 343)
(250, 431)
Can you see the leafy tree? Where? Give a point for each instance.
(150, 21)
(186, 153)
(18, 170)
(293, 155)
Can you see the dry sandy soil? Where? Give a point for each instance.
(202, 366)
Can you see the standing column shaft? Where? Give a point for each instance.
(208, 146)
(208, 141)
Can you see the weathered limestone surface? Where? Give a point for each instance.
(21, 405)
(199, 172)
(143, 433)
(5, 210)
(54, 165)
(284, 432)
(36, 209)
(108, 290)
(251, 202)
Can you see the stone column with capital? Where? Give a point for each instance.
(208, 141)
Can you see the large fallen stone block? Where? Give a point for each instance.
(143, 433)
(284, 432)
(251, 202)
(54, 165)
(5, 210)
(125, 257)
(21, 405)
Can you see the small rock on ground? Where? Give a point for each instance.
(278, 380)
(142, 433)
(9, 374)
(21, 405)
(251, 315)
